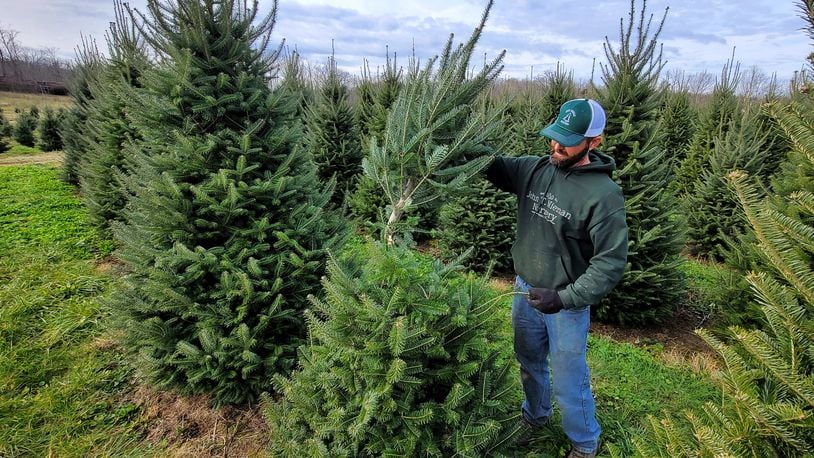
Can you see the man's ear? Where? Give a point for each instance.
(595, 142)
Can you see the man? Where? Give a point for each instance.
(570, 251)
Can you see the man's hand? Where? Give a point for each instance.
(545, 300)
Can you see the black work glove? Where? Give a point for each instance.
(545, 300)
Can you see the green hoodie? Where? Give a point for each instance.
(571, 228)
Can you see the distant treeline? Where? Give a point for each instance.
(24, 69)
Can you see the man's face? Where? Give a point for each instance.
(565, 157)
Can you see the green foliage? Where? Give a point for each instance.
(714, 121)
(24, 129)
(678, 119)
(296, 85)
(4, 145)
(712, 210)
(653, 283)
(481, 219)
(331, 136)
(797, 172)
(434, 139)
(767, 405)
(60, 390)
(50, 139)
(74, 125)
(766, 382)
(376, 96)
(401, 361)
(225, 232)
(107, 130)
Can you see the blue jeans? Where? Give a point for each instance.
(558, 341)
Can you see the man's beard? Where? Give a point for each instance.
(569, 161)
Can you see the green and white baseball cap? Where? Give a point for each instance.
(578, 119)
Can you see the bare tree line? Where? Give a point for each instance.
(29, 69)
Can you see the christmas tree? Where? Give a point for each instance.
(653, 283)
(74, 125)
(107, 130)
(678, 119)
(50, 139)
(225, 233)
(401, 358)
(331, 136)
(24, 128)
(713, 123)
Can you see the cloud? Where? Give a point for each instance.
(698, 34)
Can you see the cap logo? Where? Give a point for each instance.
(567, 118)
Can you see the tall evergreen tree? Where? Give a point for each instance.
(376, 95)
(401, 360)
(74, 125)
(678, 119)
(297, 84)
(712, 211)
(108, 132)
(225, 234)
(331, 135)
(653, 284)
(767, 405)
(713, 123)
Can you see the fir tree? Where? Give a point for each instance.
(107, 130)
(297, 85)
(400, 362)
(713, 123)
(224, 233)
(24, 128)
(678, 119)
(653, 284)
(768, 395)
(74, 125)
(482, 220)
(401, 359)
(376, 95)
(331, 136)
(712, 211)
(50, 139)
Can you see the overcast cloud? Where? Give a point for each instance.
(698, 35)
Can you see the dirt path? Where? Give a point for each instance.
(25, 159)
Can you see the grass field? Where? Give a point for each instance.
(60, 379)
(11, 100)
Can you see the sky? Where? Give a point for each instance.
(698, 35)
